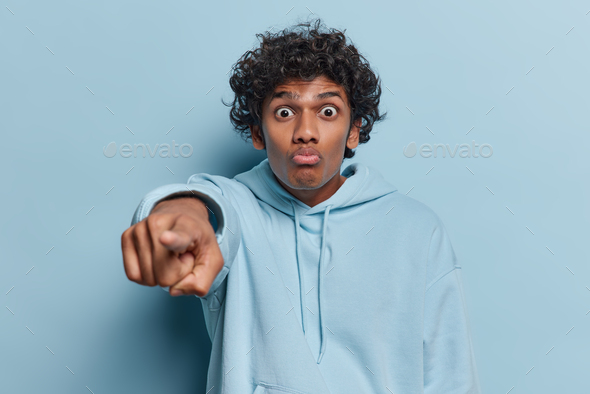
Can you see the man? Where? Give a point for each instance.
(311, 280)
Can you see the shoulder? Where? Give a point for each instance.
(422, 222)
(224, 184)
(236, 194)
(422, 233)
(413, 212)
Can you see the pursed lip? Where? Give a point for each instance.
(306, 152)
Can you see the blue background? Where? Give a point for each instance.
(510, 74)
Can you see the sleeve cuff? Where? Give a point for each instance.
(216, 214)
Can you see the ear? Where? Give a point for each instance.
(257, 139)
(353, 137)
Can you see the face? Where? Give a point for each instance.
(306, 114)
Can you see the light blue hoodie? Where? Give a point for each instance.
(361, 293)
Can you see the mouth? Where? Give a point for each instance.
(306, 156)
(306, 159)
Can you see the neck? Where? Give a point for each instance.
(314, 197)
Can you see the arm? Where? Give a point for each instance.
(221, 214)
(449, 361)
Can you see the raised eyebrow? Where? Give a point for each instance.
(328, 94)
(285, 94)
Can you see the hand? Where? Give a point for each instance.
(174, 246)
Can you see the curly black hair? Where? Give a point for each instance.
(303, 51)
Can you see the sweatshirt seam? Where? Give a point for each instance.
(277, 387)
(427, 286)
(441, 276)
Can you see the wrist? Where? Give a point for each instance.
(186, 202)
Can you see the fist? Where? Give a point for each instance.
(174, 246)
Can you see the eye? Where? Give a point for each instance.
(329, 111)
(283, 112)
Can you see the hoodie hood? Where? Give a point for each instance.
(363, 184)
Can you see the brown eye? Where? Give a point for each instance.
(283, 112)
(329, 111)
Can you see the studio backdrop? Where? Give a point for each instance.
(100, 102)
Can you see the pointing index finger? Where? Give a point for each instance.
(176, 241)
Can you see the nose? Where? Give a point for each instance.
(306, 128)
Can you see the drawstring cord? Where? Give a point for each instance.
(320, 284)
(299, 269)
(320, 277)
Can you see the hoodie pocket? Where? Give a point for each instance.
(266, 388)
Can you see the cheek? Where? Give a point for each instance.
(338, 142)
(277, 146)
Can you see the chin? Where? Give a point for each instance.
(306, 181)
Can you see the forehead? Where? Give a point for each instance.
(318, 83)
(318, 88)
